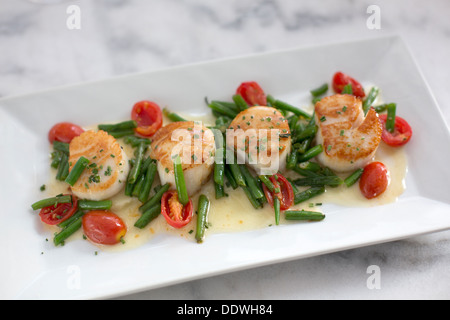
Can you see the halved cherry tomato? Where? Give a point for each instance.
(402, 132)
(64, 132)
(374, 180)
(148, 116)
(103, 227)
(252, 93)
(174, 212)
(286, 194)
(340, 80)
(53, 215)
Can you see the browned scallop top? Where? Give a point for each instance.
(192, 141)
(105, 160)
(346, 133)
(261, 118)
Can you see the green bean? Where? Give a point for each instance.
(134, 173)
(299, 127)
(129, 186)
(155, 199)
(230, 178)
(292, 121)
(94, 205)
(77, 170)
(276, 207)
(77, 215)
(390, 120)
(51, 202)
(125, 125)
(173, 116)
(67, 232)
(63, 167)
(219, 190)
(351, 179)
(303, 146)
(311, 153)
(251, 182)
(305, 172)
(381, 108)
(320, 90)
(56, 159)
(220, 108)
(269, 184)
(286, 106)
(311, 166)
(202, 217)
(319, 181)
(326, 171)
(61, 146)
(134, 141)
(234, 167)
(315, 100)
(308, 194)
(264, 199)
(65, 170)
(219, 169)
(230, 105)
(146, 164)
(293, 185)
(222, 123)
(270, 100)
(180, 183)
(148, 216)
(348, 89)
(373, 93)
(304, 215)
(138, 186)
(148, 182)
(240, 102)
(121, 133)
(255, 203)
(310, 131)
(292, 160)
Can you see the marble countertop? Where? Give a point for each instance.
(39, 51)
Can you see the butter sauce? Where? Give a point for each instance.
(234, 213)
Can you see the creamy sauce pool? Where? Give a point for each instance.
(234, 213)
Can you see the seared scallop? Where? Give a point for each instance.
(108, 167)
(349, 139)
(193, 143)
(260, 136)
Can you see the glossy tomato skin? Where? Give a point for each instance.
(286, 194)
(252, 93)
(148, 116)
(103, 227)
(64, 132)
(402, 132)
(53, 215)
(374, 180)
(173, 219)
(340, 80)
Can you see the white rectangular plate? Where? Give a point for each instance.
(25, 273)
